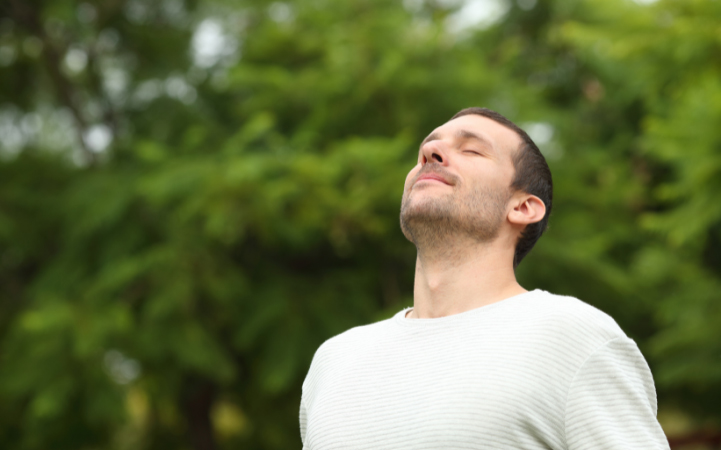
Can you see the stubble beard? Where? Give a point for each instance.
(437, 222)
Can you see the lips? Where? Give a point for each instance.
(432, 176)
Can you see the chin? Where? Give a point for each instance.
(427, 201)
(425, 209)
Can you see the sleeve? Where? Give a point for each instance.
(611, 402)
(303, 420)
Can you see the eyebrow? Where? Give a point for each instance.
(460, 134)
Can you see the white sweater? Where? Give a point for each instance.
(535, 371)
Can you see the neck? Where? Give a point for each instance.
(461, 277)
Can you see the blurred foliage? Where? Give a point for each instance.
(195, 194)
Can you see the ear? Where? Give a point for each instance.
(527, 209)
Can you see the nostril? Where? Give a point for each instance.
(437, 157)
(425, 160)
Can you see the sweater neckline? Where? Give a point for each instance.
(401, 319)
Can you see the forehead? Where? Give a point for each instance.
(503, 140)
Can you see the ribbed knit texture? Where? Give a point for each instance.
(535, 371)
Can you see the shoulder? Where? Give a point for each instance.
(338, 349)
(354, 338)
(567, 322)
(576, 310)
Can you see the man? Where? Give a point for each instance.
(479, 362)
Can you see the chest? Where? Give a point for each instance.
(466, 395)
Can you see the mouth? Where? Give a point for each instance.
(432, 177)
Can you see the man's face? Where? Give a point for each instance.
(461, 182)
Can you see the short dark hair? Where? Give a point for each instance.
(533, 176)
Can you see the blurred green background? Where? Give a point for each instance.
(195, 194)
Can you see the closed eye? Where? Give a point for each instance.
(473, 152)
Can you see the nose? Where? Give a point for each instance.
(434, 151)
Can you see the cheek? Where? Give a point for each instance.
(497, 176)
(411, 175)
(490, 181)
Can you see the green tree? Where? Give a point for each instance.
(183, 223)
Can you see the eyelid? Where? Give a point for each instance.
(472, 151)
